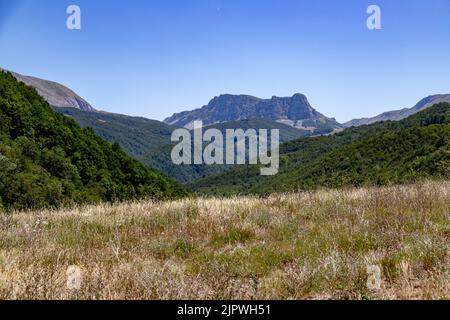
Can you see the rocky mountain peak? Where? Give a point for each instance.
(295, 111)
(54, 93)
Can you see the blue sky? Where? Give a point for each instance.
(156, 57)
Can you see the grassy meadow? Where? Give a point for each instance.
(312, 245)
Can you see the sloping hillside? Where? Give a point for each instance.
(137, 136)
(47, 159)
(54, 93)
(149, 140)
(401, 114)
(380, 154)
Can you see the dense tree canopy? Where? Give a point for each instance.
(48, 160)
(384, 153)
(149, 140)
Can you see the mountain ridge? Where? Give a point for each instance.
(396, 115)
(295, 111)
(382, 153)
(56, 94)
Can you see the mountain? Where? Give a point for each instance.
(149, 140)
(146, 140)
(48, 160)
(136, 135)
(287, 132)
(417, 147)
(294, 111)
(401, 114)
(190, 173)
(54, 93)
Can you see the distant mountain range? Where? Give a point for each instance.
(294, 111)
(400, 114)
(149, 140)
(54, 93)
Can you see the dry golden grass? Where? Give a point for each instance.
(314, 245)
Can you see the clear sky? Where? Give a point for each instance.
(156, 57)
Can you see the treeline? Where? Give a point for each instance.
(48, 160)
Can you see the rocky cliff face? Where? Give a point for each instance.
(55, 94)
(294, 111)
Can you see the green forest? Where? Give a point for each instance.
(384, 153)
(149, 140)
(48, 160)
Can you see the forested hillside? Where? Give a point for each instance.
(380, 154)
(48, 160)
(136, 135)
(149, 140)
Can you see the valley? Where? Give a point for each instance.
(75, 200)
(217, 153)
(311, 142)
(383, 153)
